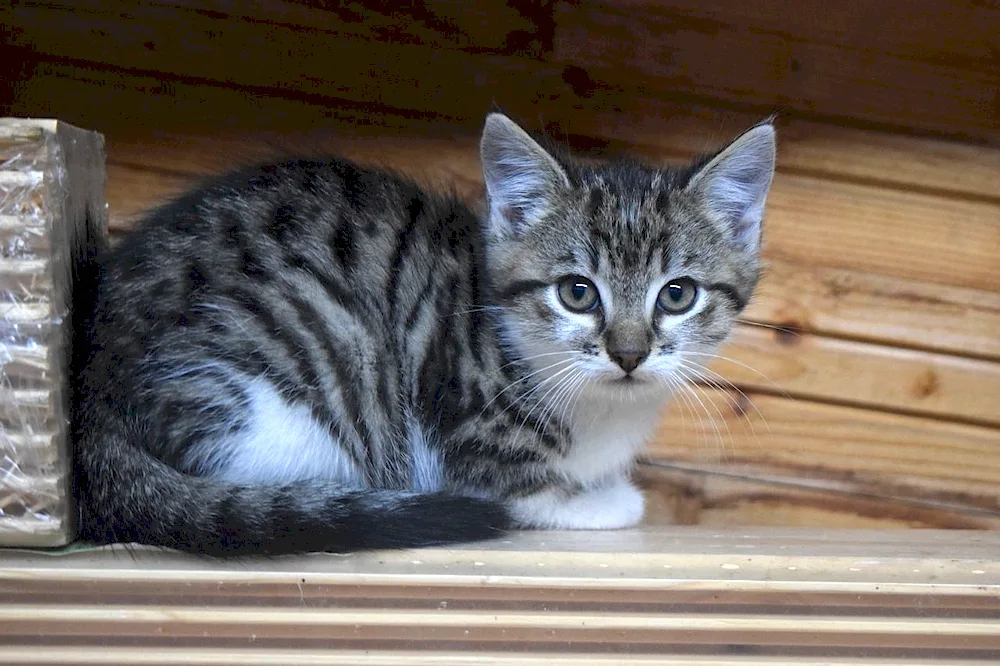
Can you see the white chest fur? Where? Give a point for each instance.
(608, 435)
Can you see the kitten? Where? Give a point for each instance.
(315, 356)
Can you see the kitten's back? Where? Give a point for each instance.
(276, 296)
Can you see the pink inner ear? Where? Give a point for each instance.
(746, 230)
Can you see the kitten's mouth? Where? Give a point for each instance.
(628, 380)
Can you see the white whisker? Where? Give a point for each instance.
(773, 383)
(694, 387)
(523, 379)
(718, 381)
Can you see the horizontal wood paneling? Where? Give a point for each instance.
(873, 307)
(279, 58)
(120, 103)
(813, 366)
(714, 495)
(958, 33)
(903, 234)
(477, 26)
(664, 50)
(663, 129)
(890, 454)
(946, 84)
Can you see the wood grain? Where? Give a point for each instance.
(278, 58)
(304, 53)
(658, 128)
(862, 305)
(955, 32)
(134, 109)
(666, 51)
(291, 657)
(890, 454)
(490, 627)
(847, 371)
(475, 26)
(713, 495)
(688, 593)
(902, 234)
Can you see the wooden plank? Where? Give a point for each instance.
(657, 49)
(966, 576)
(859, 373)
(855, 304)
(132, 193)
(494, 626)
(116, 103)
(225, 49)
(476, 26)
(956, 32)
(760, 592)
(145, 105)
(885, 454)
(908, 235)
(86, 655)
(711, 495)
(278, 57)
(661, 129)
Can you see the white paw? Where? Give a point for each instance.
(610, 507)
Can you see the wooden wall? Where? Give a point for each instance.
(869, 365)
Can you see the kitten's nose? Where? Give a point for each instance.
(628, 360)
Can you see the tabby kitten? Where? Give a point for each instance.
(315, 356)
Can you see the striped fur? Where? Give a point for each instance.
(315, 356)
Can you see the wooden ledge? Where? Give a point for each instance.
(672, 596)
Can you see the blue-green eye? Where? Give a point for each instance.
(677, 296)
(578, 294)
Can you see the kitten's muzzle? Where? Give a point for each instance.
(628, 360)
(627, 343)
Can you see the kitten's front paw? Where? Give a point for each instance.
(609, 507)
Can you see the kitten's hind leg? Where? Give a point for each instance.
(613, 505)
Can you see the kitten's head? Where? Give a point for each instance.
(615, 276)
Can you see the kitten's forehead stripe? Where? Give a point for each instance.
(513, 290)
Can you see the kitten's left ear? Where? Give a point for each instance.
(522, 179)
(734, 184)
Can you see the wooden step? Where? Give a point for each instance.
(733, 596)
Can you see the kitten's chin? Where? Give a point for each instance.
(624, 387)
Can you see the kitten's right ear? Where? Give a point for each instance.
(735, 183)
(521, 177)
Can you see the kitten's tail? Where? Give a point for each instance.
(149, 502)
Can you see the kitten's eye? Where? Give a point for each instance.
(578, 294)
(677, 296)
